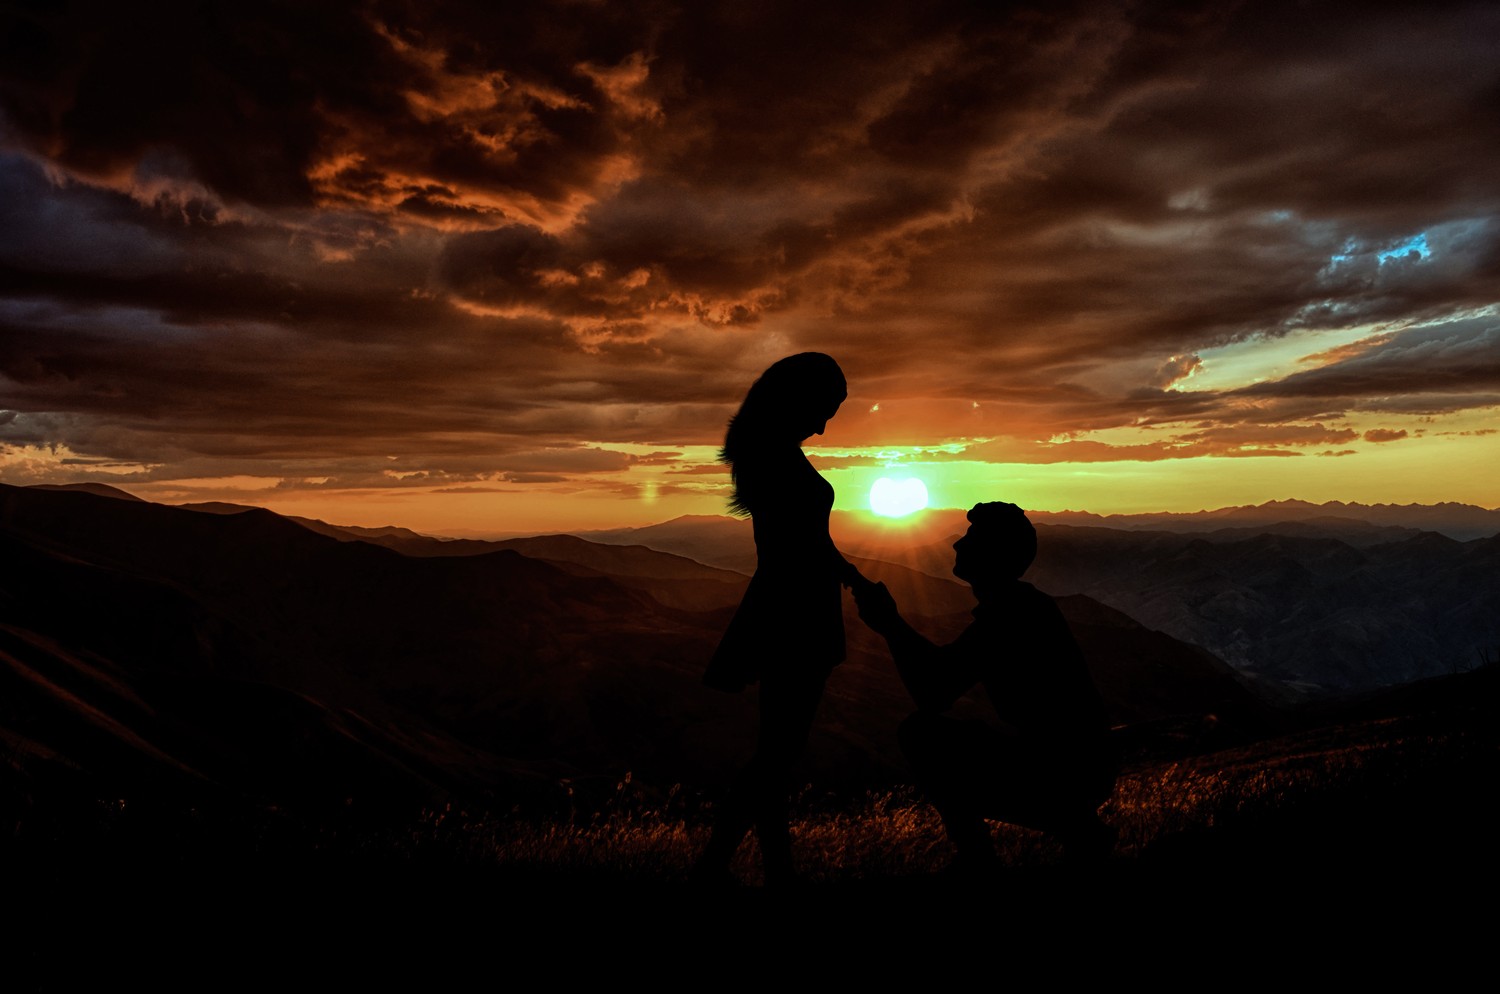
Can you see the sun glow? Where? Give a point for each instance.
(897, 498)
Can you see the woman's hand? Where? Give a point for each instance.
(849, 575)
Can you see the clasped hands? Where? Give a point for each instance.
(877, 608)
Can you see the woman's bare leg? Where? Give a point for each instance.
(759, 795)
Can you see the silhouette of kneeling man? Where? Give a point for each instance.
(1049, 764)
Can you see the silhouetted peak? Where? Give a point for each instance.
(97, 489)
(344, 532)
(217, 507)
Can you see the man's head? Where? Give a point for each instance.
(999, 545)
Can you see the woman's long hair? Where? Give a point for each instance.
(791, 390)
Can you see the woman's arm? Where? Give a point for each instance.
(848, 574)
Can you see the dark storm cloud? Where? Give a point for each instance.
(100, 87)
(1209, 198)
(285, 103)
(370, 242)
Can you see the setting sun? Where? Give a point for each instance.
(897, 498)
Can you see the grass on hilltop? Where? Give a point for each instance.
(1347, 789)
(1393, 791)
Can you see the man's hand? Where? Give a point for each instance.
(877, 608)
(917, 659)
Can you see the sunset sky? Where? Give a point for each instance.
(482, 268)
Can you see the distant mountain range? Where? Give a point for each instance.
(1458, 521)
(1302, 612)
(1317, 607)
(245, 652)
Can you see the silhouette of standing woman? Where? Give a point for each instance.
(789, 631)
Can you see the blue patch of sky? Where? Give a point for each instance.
(1350, 245)
(1417, 244)
(1353, 249)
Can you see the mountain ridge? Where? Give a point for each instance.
(1453, 518)
(250, 654)
(1327, 606)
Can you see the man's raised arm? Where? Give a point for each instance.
(933, 675)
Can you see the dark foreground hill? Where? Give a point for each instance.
(457, 672)
(1368, 829)
(222, 707)
(243, 652)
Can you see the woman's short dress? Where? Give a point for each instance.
(792, 612)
